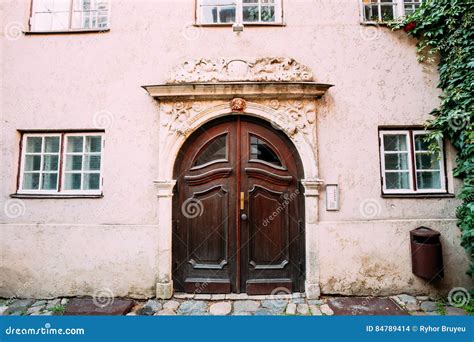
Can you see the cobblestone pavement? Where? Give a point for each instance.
(236, 304)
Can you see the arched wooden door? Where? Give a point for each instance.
(238, 210)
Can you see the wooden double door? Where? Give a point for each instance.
(238, 211)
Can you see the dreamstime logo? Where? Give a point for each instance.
(103, 119)
(103, 297)
(370, 208)
(192, 208)
(459, 121)
(280, 293)
(191, 31)
(459, 296)
(369, 32)
(14, 208)
(13, 30)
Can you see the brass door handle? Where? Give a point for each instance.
(242, 201)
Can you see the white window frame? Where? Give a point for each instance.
(412, 170)
(23, 163)
(239, 14)
(34, 11)
(62, 165)
(399, 10)
(441, 170)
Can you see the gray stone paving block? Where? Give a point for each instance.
(192, 307)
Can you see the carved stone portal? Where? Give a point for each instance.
(276, 89)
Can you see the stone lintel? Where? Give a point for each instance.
(230, 90)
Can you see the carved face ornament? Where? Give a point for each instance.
(238, 105)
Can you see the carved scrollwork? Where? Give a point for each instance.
(176, 115)
(290, 116)
(294, 115)
(266, 69)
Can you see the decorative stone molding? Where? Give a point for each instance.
(297, 115)
(266, 69)
(312, 186)
(290, 116)
(164, 188)
(238, 105)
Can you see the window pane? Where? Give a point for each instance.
(218, 11)
(420, 144)
(93, 144)
(42, 21)
(31, 181)
(250, 13)
(33, 163)
(50, 181)
(61, 5)
(60, 21)
(397, 180)
(395, 142)
(387, 12)
(215, 150)
(73, 181)
(427, 161)
(371, 12)
(428, 180)
(260, 150)
(74, 144)
(268, 13)
(43, 5)
(50, 163)
(92, 163)
(51, 144)
(411, 6)
(33, 144)
(396, 161)
(73, 163)
(91, 181)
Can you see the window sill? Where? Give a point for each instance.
(374, 23)
(33, 33)
(245, 24)
(422, 196)
(46, 196)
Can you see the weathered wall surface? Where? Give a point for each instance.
(82, 81)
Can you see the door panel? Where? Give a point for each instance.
(208, 238)
(220, 243)
(268, 229)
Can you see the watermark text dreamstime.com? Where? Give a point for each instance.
(46, 330)
(287, 200)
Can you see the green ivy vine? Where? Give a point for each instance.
(445, 33)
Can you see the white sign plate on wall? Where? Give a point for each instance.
(332, 197)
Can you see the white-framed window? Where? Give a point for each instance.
(374, 11)
(244, 11)
(408, 166)
(61, 163)
(69, 15)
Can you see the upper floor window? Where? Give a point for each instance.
(386, 10)
(61, 163)
(407, 164)
(69, 15)
(245, 11)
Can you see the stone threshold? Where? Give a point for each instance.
(236, 296)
